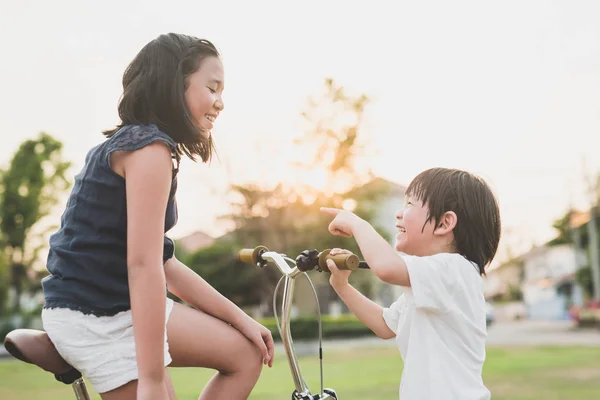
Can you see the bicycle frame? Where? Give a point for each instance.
(80, 390)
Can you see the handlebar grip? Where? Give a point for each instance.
(252, 256)
(342, 261)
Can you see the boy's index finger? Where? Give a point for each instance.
(330, 211)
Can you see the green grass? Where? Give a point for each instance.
(549, 373)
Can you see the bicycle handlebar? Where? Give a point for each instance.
(342, 261)
(252, 256)
(317, 260)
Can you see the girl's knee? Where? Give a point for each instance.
(249, 360)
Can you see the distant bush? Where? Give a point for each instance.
(307, 328)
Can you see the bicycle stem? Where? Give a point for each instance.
(286, 306)
(286, 336)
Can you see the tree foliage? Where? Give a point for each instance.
(29, 189)
(286, 218)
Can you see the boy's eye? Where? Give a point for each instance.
(212, 90)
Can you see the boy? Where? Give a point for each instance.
(448, 232)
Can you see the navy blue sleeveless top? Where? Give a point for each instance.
(87, 259)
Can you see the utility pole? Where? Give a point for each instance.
(593, 187)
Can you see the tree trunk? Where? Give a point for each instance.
(18, 273)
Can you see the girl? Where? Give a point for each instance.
(110, 262)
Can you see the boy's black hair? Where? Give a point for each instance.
(154, 86)
(477, 231)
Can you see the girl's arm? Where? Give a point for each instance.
(194, 290)
(191, 288)
(147, 174)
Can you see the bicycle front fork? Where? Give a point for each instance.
(327, 394)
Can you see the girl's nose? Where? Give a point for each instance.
(219, 105)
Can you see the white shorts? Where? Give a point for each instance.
(101, 348)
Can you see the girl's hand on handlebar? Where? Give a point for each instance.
(338, 277)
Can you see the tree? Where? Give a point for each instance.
(334, 143)
(585, 280)
(239, 282)
(30, 189)
(563, 226)
(4, 280)
(286, 218)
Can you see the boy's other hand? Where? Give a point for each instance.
(338, 277)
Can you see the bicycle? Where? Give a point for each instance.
(306, 261)
(35, 347)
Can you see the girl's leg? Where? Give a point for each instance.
(200, 340)
(125, 392)
(129, 390)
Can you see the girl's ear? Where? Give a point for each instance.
(447, 223)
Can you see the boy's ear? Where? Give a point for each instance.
(447, 223)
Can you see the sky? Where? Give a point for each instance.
(507, 90)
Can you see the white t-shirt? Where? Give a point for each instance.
(440, 329)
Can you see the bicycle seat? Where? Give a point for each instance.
(35, 347)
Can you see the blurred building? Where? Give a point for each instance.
(542, 279)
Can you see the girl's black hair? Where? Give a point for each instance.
(154, 86)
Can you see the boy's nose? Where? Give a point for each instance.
(399, 213)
